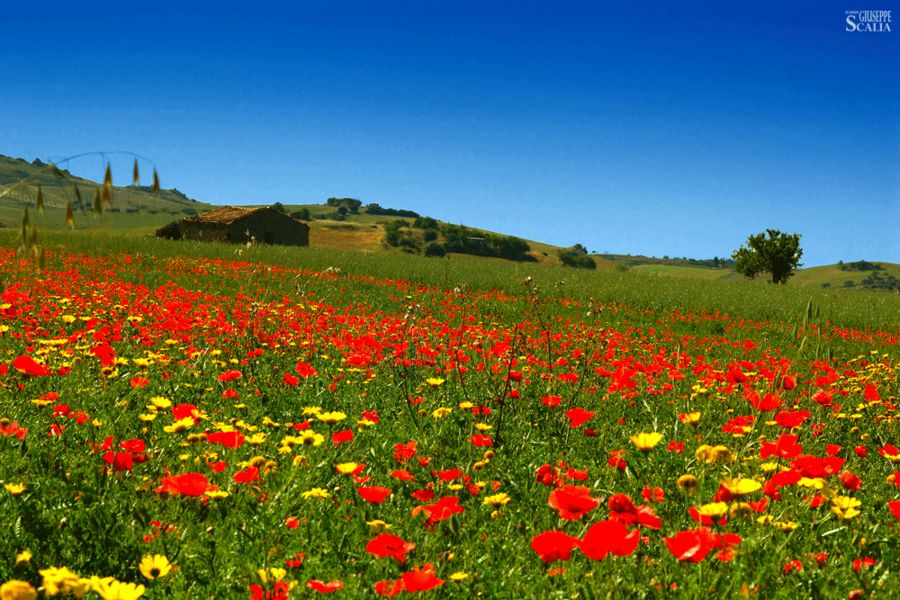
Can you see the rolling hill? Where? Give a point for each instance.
(142, 211)
(19, 181)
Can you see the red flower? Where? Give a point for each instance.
(388, 544)
(578, 416)
(691, 546)
(229, 439)
(785, 447)
(551, 546)
(324, 588)
(849, 480)
(27, 366)
(608, 536)
(388, 588)
(230, 376)
(442, 510)
(374, 494)
(572, 501)
(186, 484)
(480, 440)
(305, 370)
(404, 452)
(290, 379)
(551, 401)
(894, 507)
(866, 562)
(248, 475)
(340, 437)
(421, 579)
(765, 404)
(790, 419)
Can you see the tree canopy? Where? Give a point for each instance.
(770, 252)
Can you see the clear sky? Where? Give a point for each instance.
(645, 127)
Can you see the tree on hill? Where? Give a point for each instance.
(770, 252)
(576, 256)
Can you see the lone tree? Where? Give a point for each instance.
(778, 253)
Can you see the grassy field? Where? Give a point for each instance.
(198, 420)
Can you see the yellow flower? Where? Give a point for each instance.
(23, 557)
(15, 589)
(845, 507)
(440, 413)
(346, 468)
(311, 438)
(316, 493)
(815, 483)
(500, 499)
(312, 410)
(434, 381)
(331, 417)
(786, 526)
(179, 425)
(691, 418)
(714, 454)
(713, 509)
(155, 565)
(377, 526)
(646, 441)
(111, 589)
(15, 489)
(62, 581)
(687, 483)
(459, 576)
(216, 494)
(740, 486)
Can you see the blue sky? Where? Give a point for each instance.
(659, 128)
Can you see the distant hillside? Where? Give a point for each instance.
(19, 181)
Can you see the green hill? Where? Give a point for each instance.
(19, 181)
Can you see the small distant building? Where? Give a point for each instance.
(239, 225)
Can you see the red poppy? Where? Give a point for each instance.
(551, 546)
(388, 544)
(341, 437)
(421, 579)
(305, 370)
(229, 439)
(186, 484)
(790, 419)
(572, 501)
(578, 416)
(230, 376)
(119, 461)
(248, 475)
(692, 545)
(388, 588)
(480, 440)
(323, 587)
(767, 403)
(442, 510)
(374, 493)
(608, 536)
(894, 507)
(849, 480)
(404, 452)
(551, 401)
(27, 366)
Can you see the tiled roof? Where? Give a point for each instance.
(225, 215)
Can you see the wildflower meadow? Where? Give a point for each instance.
(179, 421)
